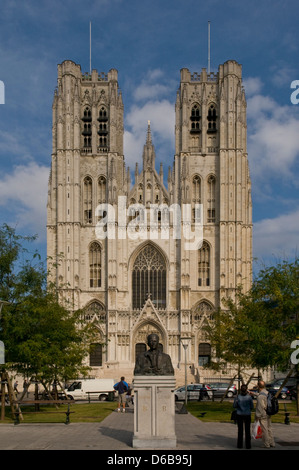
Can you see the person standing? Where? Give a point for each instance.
(262, 416)
(129, 397)
(122, 388)
(243, 404)
(15, 387)
(25, 388)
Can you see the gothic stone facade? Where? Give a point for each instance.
(130, 286)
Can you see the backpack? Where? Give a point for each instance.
(272, 404)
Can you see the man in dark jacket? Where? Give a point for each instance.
(122, 388)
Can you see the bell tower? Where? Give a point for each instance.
(87, 168)
(211, 168)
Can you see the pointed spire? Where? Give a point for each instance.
(149, 133)
(128, 178)
(136, 173)
(161, 173)
(148, 150)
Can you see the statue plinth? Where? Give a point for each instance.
(154, 414)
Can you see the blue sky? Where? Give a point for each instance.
(148, 42)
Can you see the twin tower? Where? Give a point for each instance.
(133, 285)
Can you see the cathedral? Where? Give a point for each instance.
(145, 252)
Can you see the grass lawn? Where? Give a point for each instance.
(221, 412)
(80, 413)
(96, 412)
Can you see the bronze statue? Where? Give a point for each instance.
(153, 361)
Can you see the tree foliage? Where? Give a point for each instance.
(42, 338)
(257, 328)
(271, 311)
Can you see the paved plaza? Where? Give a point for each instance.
(115, 433)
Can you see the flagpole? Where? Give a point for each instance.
(209, 49)
(90, 47)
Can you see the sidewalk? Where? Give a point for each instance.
(116, 432)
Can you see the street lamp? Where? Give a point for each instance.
(185, 344)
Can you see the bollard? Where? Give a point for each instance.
(67, 421)
(286, 415)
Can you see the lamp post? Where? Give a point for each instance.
(185, 344)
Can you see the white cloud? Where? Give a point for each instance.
(273, 145)
(275, 148)
(252, 85)
(161, 116)
(152, 86)
(24, 189)
(10, 143)
(277, 237)
(151, 103)
(146, 91)
(282, 74)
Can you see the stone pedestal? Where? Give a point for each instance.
(154, 412)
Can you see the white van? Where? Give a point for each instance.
(91, 388)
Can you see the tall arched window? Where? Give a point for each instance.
(211, 215)
(212, 118)
(87, 200)
(95, 265)
(204, 265)
(87, 129)
(101, 190)
(149, 278)
(103, 129)
(196, 189)
(195, 119)
(196, 195)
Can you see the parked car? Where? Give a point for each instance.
(194, 392)
(285, 393)
(219, 389)
(275, 384)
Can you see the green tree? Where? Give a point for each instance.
(229, 340)
(42, 338)
(12, 252)
(272, 317)
(272, 314)
(257, 330)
